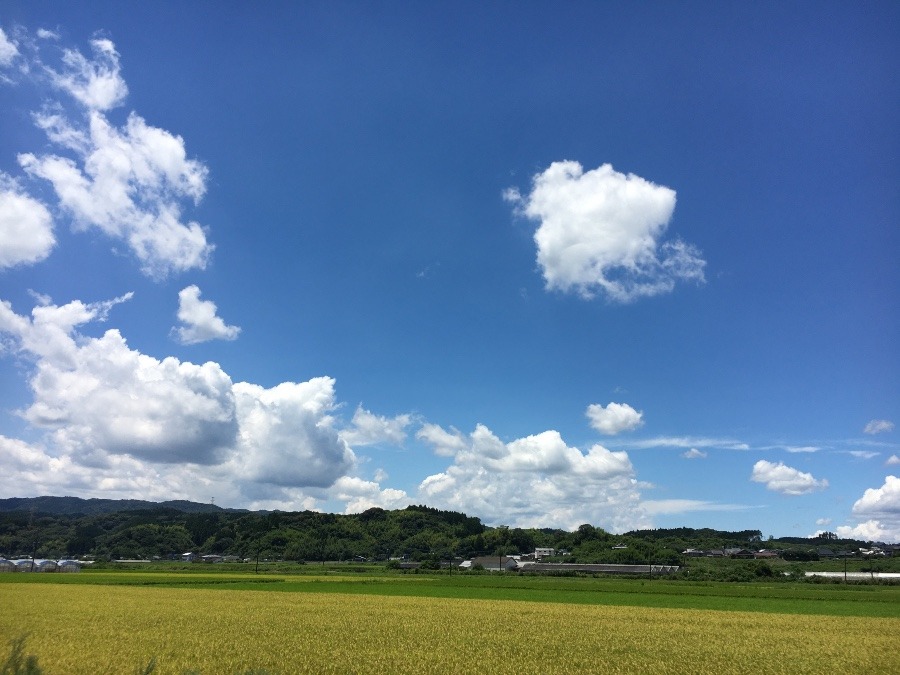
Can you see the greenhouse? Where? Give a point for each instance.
(7, 565)
(68, 566)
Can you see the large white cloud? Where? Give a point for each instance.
(200, 323)
(129, 181)
(26, 227)
(879, 513)
(128, 184)
(287, 434)
(99, 399)
(98, 395)
(536, 481)
(614, 418)
(779, 477)
(601, 231)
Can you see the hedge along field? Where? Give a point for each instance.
(75, 628)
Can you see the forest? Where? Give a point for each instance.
(60, 527)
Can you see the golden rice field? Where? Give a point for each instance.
(117, 629)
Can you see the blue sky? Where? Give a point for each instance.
(627, 264)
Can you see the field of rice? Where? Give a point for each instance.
(117, 629)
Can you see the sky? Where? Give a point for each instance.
(627, 264)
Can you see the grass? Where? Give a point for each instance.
(776, 597)
(120, 628)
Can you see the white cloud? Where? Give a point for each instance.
(360, 495)
(880, 502)
(128, 181)
(200, 323)
(660, 507)
(99, 400)
(878, 427)
(784, 479)
(879, 512)
(614, 418)
(870, 530)
(601, 231)
(95, 83)
(795, 449)
(287, 434)
(8, 50)
(683, 442)
(693, 453)
(862, 454)
(128, 186)
(823, 521)
(444, 443)
(371, 429)
(26, 227)
(534, 481)
(893, 460)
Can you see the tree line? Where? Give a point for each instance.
(417, 533)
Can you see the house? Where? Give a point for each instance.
(190, 556)
(543, 553)
(211, 558)
(693, 553)
(764, 554)
(738, 553)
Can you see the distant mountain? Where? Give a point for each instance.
(71, 506)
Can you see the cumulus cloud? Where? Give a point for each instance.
(784, 479)
(693, 453)
(534, 481)
(26, 227)
(601, 231)
(128, 185)
(893, 460)
(199, 320)
(100, 400)
(879, 513)
(98, 395)
(129, 181)
(823, 521)
(880, 502)
(614, 418)
(287, 434)
(371, 429)
(878, 427)
(444, 443)
(360, 495)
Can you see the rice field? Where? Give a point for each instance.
(79, 628)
